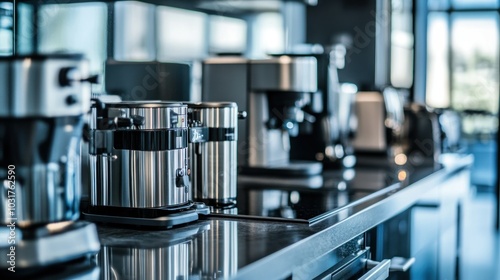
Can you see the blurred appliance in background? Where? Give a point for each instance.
(380, 128)
(423, 135)
(214, 162)
(43, 99)
(450, 123)
(148, 80)
(274, 92)
(139, 164)
(328, 139)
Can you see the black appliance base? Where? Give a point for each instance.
(156, 217)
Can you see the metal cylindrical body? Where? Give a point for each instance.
(42, 102)
(138, 155)
(216, 260)
(214, 162)
(172, 262)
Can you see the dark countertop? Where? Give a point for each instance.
(228, 246)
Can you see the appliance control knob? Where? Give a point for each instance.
(94, 79)
(71, 100)
(67, 75)
(242, 115)
(182, 182)
(180, 172)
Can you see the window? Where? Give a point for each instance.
(227, 35)
(463, 62)
(134, 38)
(83, 31)
(268, 35)
(401, 44)
(181, 34)
(474, 40)
(6, 26)
(474, 4)
(438, 74)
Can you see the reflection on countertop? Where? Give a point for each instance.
(223, 246)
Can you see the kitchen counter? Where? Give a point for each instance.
(229, 246)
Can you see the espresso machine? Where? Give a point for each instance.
(327, 140)
(43, 99)
(139, 164)
(274, 92)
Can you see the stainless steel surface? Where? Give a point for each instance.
(42, 98)
(138, 254)
(401, 264)
(215, 114)
(265, 146)
(250, 83)
(56, 247)
(216, 260)
(214, 163)
(157, 114)
(217, 178)
(278, 90)
(170, 262)
(284, 73)
(32, 88)
(379, 272)
(42, 103)
(337, 264)
(226, 78)
(277, 250)
(335, 231)
(43, 195)
(138, 177)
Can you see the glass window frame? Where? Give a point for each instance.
(451, 10)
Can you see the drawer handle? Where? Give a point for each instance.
(379, 272)
(398, 264)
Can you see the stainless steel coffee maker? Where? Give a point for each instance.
(327, 140)
(42, 102)
(214, 162)
(273, 91)
(139, 164)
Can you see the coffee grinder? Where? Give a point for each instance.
(42, 102)
(214, 162)
(274, 92)
(139, 164)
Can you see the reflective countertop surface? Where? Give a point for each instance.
(249, 246)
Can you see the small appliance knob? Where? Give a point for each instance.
(242, 115)
(71, 100)
(67, 75)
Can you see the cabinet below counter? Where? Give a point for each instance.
(242, 247)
